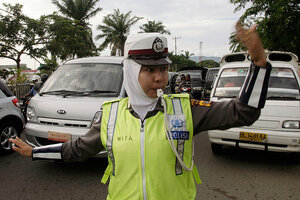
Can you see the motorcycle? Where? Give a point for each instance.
(24, 101)
(186, 89)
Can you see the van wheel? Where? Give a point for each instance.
(8, 129)
(295, 157)
(216, 148)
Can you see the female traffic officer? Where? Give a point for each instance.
(149, 136)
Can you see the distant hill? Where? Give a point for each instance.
(196, 58)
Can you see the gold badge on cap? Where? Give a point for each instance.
(158, 45)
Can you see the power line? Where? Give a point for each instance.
(200, 51)
(176, 38)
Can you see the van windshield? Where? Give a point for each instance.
(283, 84)
(91, 79)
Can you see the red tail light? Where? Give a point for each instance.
(16, 102)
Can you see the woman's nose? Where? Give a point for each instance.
(158, 75)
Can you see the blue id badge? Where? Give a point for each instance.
(177, 126)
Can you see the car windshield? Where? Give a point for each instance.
(85, 79)
(5, 90)
(282, 84)
(211, 74)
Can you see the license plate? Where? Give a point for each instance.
(255, 137)
(59, 137)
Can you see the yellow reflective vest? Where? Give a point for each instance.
(142, 164)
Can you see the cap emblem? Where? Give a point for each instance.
(158, 45)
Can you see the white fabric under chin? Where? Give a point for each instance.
(139, 101)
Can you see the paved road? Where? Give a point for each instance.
(235, 175)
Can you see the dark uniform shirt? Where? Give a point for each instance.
(206, 116)
(242, 111)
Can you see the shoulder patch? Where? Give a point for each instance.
(195, 102)
(171, 96)
(112, 101)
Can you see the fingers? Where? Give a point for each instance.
(250, 39)
(244, 34)
(17, 141)
(21, 147)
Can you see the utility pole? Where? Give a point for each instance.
(176, 38)
(200, 52)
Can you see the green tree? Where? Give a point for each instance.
(20, 35)
(187, 54)
(80, 11)
(115, 30)
(209, 64)
(67, 38)
(278, 20)
(179, 61)
(5, 73)
(153, 26)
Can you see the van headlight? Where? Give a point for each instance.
(291, 124)
(96, 117)
(30, 114)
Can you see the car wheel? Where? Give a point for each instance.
(7, 130)
(216, 148)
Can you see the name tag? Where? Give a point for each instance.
(180, 135)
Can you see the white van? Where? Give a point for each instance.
(278, 127)
(70, 100)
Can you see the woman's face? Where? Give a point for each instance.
(152, 78)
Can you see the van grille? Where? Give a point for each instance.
(76, 125)
(63, 124)
(49, 123)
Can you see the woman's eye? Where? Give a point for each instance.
(149, 69)
(163, 69)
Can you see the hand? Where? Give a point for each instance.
(251, 40)
(22, 148)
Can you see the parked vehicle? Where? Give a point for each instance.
(11, 119)
(70, 100)
(24, 101)
(186, 88)
(211, 75)
(197, 81)
(278, 127)
(170, 88)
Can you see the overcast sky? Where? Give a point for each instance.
(209, 21)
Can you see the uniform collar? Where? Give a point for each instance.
(158, 107)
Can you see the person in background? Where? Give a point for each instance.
(180, 83)
(36, 85)
(148, 136)
(44, 77)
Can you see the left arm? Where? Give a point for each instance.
(245, 110)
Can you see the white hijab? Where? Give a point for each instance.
(139, 101)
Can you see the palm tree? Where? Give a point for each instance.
(187, 54)
(80, 11)
(115, 31)
(153, 26)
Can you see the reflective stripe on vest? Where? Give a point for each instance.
(110, 132)
(180, 143)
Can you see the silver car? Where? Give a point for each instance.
(11, 119)
(70, 100)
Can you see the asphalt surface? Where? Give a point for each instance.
(234, 175)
